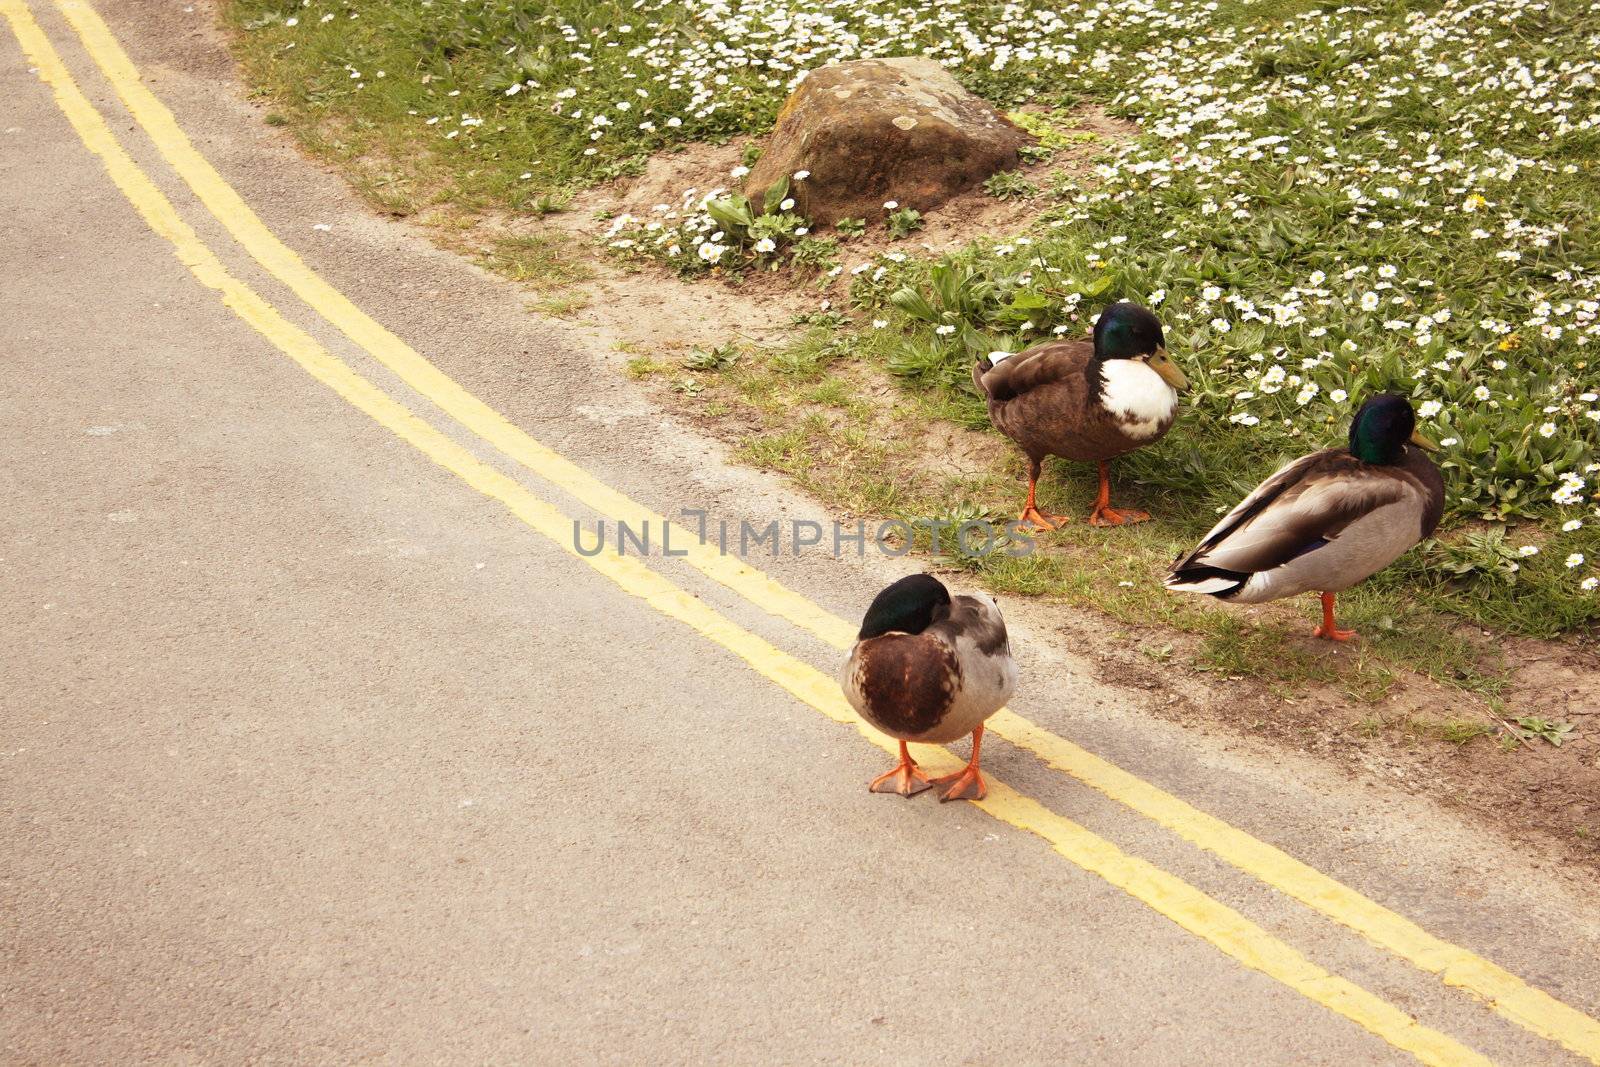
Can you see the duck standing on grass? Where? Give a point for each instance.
(930, 668)
(1325, 521)
(1086, 402)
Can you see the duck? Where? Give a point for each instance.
(1083, 401)
(1326, 521)
(930, 668)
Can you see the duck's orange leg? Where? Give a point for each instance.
(906, 779)
(1031, 515)
(1106, 515)
(967, 783)
(1328, 629)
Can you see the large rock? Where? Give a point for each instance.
(875, 130)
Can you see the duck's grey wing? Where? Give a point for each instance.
(1299, 510)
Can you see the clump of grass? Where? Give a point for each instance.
(389, 193)
(562, 304)
(830, 392)
(1235, 648)
(643, 367)
(543, 260)
(1052, 134)
(1462, 731)
(550, 203)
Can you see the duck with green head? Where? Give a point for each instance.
(928, 667)
(1325, 521)
(1084, 401)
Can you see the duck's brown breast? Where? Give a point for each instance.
(905, 682)
(1061, 420)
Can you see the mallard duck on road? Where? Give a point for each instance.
(1086, 402)
(931, 668)
(1325, 521)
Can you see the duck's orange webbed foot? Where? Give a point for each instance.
(1031, 515)
(906, 779)
(1328, 629)
(1109, 516)
(965, 784)
(1106, 515)
(1040, 520)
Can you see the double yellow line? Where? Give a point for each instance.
(1173, 898)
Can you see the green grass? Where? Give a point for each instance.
(559, 305)
(644, 367)
(543, 261)
(832, 392)
(1463, 731)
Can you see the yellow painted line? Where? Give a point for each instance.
(1191, 909)
(417, 372)
(1509, 995)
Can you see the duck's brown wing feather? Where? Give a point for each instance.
(1041, 400)
(1058, 363)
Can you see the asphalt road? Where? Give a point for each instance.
(316, 746)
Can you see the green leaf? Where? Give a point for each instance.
(775, 194)
(977, 343)
(732, 213)
(914, 304)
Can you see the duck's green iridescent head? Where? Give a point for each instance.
(906, 606)
(1126, 330)
(1382, 427)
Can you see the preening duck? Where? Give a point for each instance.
(929, 667)
(1086, 402)
(1325, 521)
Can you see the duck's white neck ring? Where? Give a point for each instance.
(1138, 397)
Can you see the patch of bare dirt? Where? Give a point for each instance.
(641, 308)
(1530, 790)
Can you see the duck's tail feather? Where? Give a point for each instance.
(1204, 578)
(983, 366)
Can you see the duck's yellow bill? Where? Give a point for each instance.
(1170, 373)
(1423, 441)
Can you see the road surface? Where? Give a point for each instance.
(320, 743)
